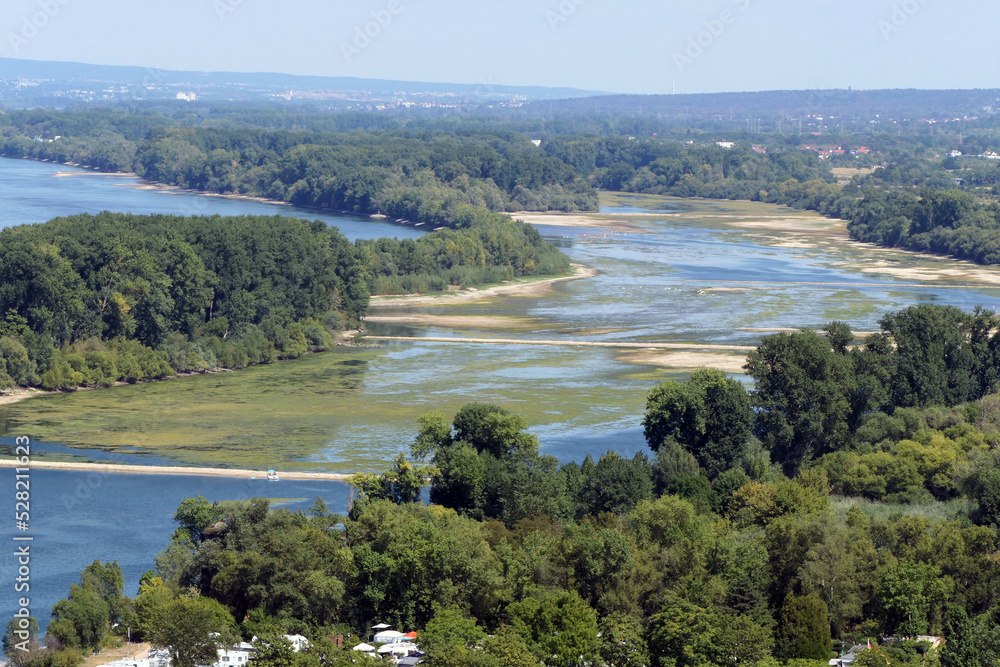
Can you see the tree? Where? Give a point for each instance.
(196, 514)
(616, 484)
(906, 596)
(741, 640)
(559, 627)
(450, 636)
(402, 484)
(709, 415)
(81, 620)
(492, 429)
(800, 396)
(682, 634)
(273, 651)
(969, 642)
(622, 643)
(434, 434)
(803, 629)
(934, 359)
(108, 581)
(21, 640)
(460, 482)
(192, 630)
(153, 596)
(508, 649)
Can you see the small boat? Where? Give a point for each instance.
(272, 476)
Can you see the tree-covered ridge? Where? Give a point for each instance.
(433, 177)
(96, 299)
(454, 172)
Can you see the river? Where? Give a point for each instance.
(664, 279)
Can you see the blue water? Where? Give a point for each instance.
(31, 193)
(654, 284)
(79, 517)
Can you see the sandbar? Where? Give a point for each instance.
(171, 470)
(525, 288)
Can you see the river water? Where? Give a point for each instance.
(668, 280)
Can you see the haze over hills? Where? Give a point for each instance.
(29, 82)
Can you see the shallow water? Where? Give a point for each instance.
(354, 409)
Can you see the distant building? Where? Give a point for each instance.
(189, 97)
(725, 144)
(537, 142)
(955, 154)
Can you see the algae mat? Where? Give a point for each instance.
(346, 410)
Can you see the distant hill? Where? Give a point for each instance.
(910, 104)
(210, 84)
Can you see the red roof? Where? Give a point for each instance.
(410, 635)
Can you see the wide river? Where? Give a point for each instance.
(661, 278)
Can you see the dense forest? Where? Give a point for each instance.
(751, 536)
(91, 300)
(910, 191)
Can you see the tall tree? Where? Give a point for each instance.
(800, 396)
(710, 415)
(192, 630)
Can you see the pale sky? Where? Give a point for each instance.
(637, 46)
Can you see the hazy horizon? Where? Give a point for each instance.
(641, 48)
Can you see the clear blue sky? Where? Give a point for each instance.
(633, 46)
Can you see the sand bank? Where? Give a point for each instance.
(16, 395)
(172, 470)
(458, 321)
(526, 288)
(553, 219)
(727, 363)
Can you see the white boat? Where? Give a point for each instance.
(272, 476)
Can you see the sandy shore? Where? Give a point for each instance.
(172, 470)
(727, 363)
(551, 219)
(16, 395)
(528, 288)
(457, 321)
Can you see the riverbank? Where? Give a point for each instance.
(17, 395)
(122, 468)
(523, 287)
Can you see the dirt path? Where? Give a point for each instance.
(128, 651)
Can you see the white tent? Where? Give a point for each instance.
(401, 648)
(365, 648)
(381, 626)
(388, 637)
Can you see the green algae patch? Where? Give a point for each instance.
(247, 418)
